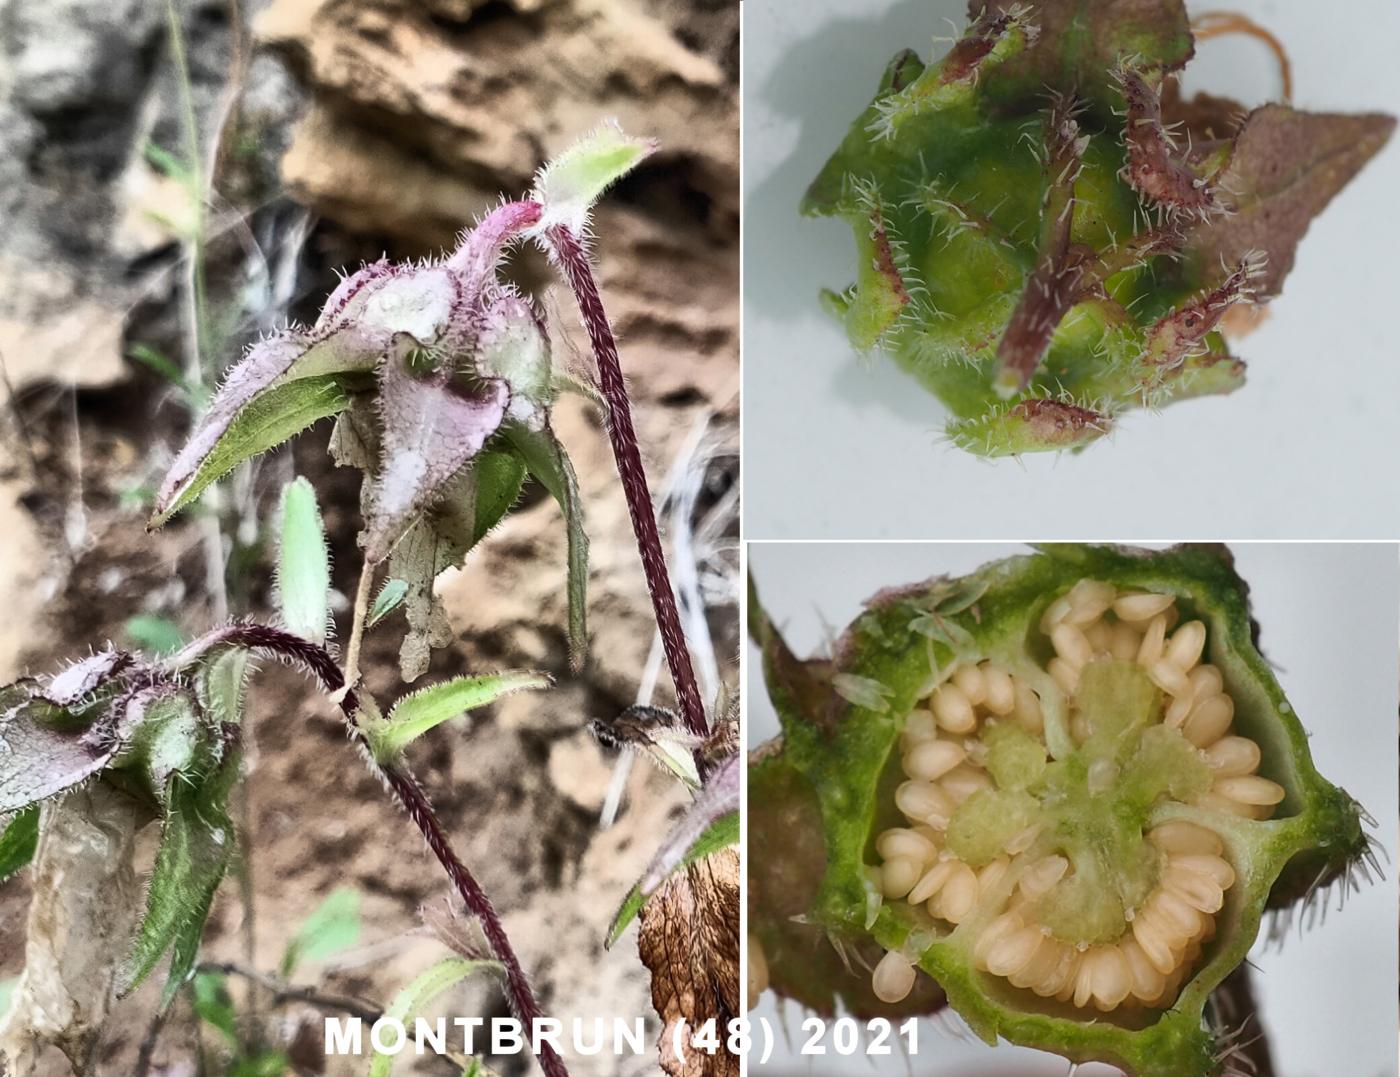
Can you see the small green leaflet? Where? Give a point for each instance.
(546, 460)
(333, 926)
(415, 714)
(390, 598)
(18, 843)
(569, 184)
(427, 986)
(214, 1006)
(196, 846)
(154, 635)
(721, 834)
(303, 563)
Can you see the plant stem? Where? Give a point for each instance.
(357, 625)
(409, 795)
(573, 260)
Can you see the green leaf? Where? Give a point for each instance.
(153, 634)
(721, 834)
(499, 477)
(547, 461)
(390, 598)
(568, 185)
(271, 418)
(184, 952)
(427, 986)
(169, 164)
(214, 1006)
(17, 844)
(163, 365)
(415, 714)
(263, 1064)
(303, 563)
(333, 926)
(196, 846)
(219, 685)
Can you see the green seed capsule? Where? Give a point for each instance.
(1047, 237)
(1080, 846)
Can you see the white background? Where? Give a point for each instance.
(834, 447)
(1329, 625)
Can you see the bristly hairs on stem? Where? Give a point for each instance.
(406, 790)
(568, 251)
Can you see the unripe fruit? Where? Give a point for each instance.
(1048, 237)
(1088, 871)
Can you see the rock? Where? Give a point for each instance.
(454, 100)
(22, 582)
(578, 770)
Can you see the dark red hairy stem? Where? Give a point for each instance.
(573, 260)
(409, 794)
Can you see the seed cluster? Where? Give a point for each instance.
(957, 747)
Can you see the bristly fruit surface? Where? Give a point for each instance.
(1058, 795)
(1047, 236)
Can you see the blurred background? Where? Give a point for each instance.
(178, 177)
(1329, 617)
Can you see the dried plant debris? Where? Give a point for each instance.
(690, 942)
(1068, 806)
(1048, 237)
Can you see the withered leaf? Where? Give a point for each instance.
(41, 755)
(1284, 168)
(470, 504)
(690, 942)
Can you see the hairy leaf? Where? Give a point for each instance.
(1284, 168)
(303, 563)
(42, 752)
(170, 738)
(219, 683)
(432, 425)
(514, 347)
(184, 950)
(683, 847)
(333, 926)
(415, 714)
(197, 842)
(71, 686)
(690, 942)
(569, 184)
(427, 986)
(269, 419)
(282, 386)
(18, 842)
(547, 461)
